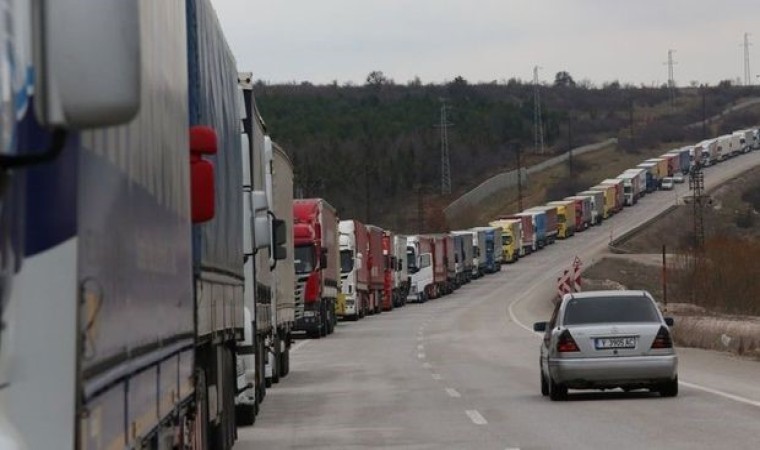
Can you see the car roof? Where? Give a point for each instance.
(608, 294)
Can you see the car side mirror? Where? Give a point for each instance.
(539, 327)
(669, 321)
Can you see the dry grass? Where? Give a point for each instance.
(591, 168)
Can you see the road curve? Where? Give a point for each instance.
(461, 372)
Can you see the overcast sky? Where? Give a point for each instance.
(484, 40)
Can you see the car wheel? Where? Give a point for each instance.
(670, 389)
(544, 385)
(557, 391)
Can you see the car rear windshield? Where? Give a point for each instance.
(590, 310)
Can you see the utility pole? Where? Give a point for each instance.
(704, 112)
(570, 144)
(747, 74)
(519, 177)
(420, 211)
(630, 117)
(538, 125)
(697, 186)
(671, 79)
(445, 159)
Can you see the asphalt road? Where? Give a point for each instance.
(461, 372)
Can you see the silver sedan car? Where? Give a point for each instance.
(607, 340)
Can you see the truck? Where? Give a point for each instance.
(653, 180)
(619, 191)
(468, 254)
(458, 243)
(597, 204)
(538, 220)
(610, 196)
(565, 218)
(376, 263)
(441, 265)
(584, 217)
(527, 233)
(493, 251)
(388, 301)
(269, 298)
(419, 257)
(401, 276)
(736, 143)
(354, 270)
(316, 261)
(641, 174)
(661, 167)
(550, 214)
(480, 246)
(673, 163)
(113, 272)
(684, 157)
(511, 238)
(723, 148)
(631, 187)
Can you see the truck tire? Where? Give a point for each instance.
(277, 356)
(285, 362)
(322, 319)
(200, 424)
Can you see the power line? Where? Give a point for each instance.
(538, 125)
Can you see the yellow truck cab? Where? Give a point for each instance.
(565, 227)
(511, 238)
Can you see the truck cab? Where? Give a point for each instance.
(420, 266)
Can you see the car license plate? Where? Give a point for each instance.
(618, 342)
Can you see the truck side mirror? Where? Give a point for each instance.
(86, 75)
(202, 187)
(323, 258)
(279, 231)
(262, 232)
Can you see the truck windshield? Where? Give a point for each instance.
(305, 258)
(411, 261)
(346, 261)
(506, 240)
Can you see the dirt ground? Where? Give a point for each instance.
(694, 326)
(725, 211)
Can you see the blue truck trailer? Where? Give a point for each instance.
(120, 227)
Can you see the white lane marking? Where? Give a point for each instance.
(512, 448)
(427, 365)
(420, 355)
(453, 393)
(476, 417)
(419, 338)
(300, 345)
(733, 397)
(437, 376)
(420, 347)
(512, 312)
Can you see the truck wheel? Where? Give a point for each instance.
(322, 319)
(200, 424)
(277, 356)
(285, 362)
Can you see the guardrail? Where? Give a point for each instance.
(614, 244)
(506, 180)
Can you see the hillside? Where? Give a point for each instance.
(374, 150)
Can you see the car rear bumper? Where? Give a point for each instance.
(612, 372)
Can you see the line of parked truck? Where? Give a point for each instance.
(155, 266)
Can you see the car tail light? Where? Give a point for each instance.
(566, 343)
(662, 340)
(312, 288)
